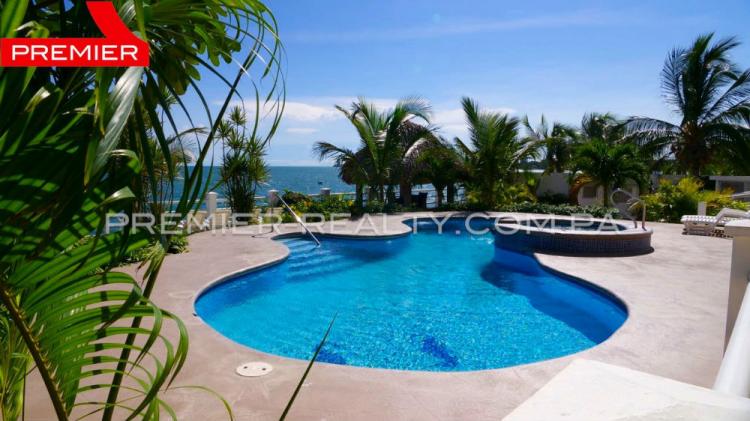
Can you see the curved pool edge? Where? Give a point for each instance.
(280, 259)
(611, 295)
(580, 281)
(403, 220)
(590, 285)
(231, 275)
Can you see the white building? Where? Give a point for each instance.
(590, 194)
(558, 183)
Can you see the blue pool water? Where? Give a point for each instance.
(422, 302)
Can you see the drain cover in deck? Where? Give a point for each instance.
(254, 369)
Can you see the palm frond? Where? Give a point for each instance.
(713, 98)
(71, 142)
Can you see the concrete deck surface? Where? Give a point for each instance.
(676, 297)
(589, 390)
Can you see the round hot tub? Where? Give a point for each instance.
(578, 236)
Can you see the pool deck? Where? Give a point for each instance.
(676, 298)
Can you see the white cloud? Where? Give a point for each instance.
(452, 121)
(294, 110)
(300, 111)
(315, 114)
(301, 130)
(315, 109)
(451, 118)
(381, 103)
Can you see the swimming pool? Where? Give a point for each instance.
(426, 301)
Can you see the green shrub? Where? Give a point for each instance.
(286, 218)
(503, 195)
(554, 199)
(671, 201)
(545, 208)
(536, 207)
(292, 197)
(177, 244)
(326, 206)
(460, 207)
(446, 207)
(329, 205)
(375, 206)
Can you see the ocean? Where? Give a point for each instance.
(308, 180)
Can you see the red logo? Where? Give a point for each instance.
(118, 48)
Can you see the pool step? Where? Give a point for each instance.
(313, 260)
(300, 245)
(307, 259)
(295, 257)
(315, 268)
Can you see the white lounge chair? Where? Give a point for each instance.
(706, 225)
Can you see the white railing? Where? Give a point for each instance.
(299, 220)
(631, 205)
(266, 200)
(734, 373)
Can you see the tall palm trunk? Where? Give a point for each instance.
(451, 193)
(695, 168)
(358, 195)
(606, 187)
(405, 192)
(390, 194)
(373, 193)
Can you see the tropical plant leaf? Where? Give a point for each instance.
(301, 382)
(72, 150)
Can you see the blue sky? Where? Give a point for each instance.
(559, 58)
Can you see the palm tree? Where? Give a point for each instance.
(158, 180)
(606, 165)
(711, 95)
(414, 139)
(735, 160)
(558, 142)
(243, 168)
(387, 139)
(440, 165)
(606, 127)
(494, 153)
(353, 166)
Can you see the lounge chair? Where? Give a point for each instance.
(706, 225)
